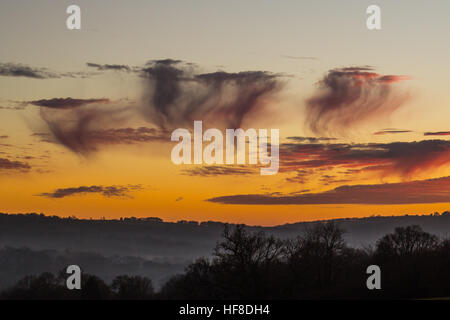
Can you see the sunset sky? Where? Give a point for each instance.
(86, 115)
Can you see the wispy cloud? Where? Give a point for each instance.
(63, 103)
(6, 164)
(422, 191)
(91, 140)
(106, 191)
(25, 71)
(347, 97)
(177, 94)
(439, 133)
(403, 159)
(113, 67)
(390, 131)
(310, 139)
(213, 171)
(80, 128)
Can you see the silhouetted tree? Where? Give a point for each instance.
(199, 275)
(94, 288)
(132, 288)
(43, 287)
(244, 261)
(406, 258)
(244, 265)
(314, 256)
(241, 249)
(406, 241)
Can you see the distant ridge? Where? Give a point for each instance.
(154, 238)
(160, 220)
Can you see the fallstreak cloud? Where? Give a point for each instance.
(352, 96)
(177, 94)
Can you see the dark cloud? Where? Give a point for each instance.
(6, 164)
(21, 70)
(63, 103)
(177, 94)
(114, 67)
(311, 139)
(4, 137)
(129, 136)
(213, 171)
(357, 69)
(83, 125)
(440, 133)
(423, 191)
(350, 96)
(106, 191)
(396, 158)
(80, 129)
(390, 131)
(167, 62)
(81, 136)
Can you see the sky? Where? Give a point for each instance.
(86, 115)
